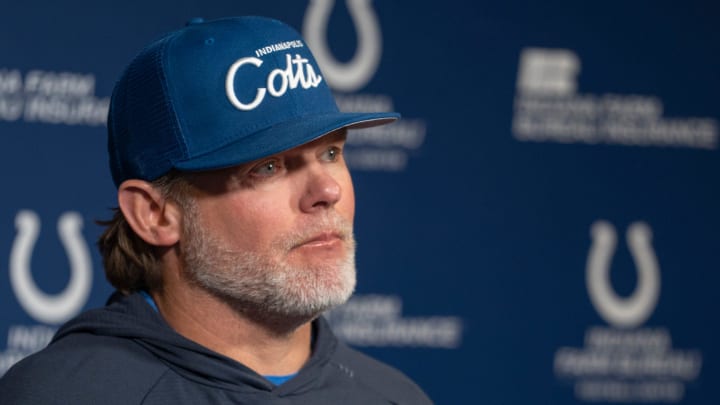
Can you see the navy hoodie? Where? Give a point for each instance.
(126, 354)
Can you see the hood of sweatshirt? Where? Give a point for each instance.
(132, 318)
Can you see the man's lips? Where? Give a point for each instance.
(324, 239)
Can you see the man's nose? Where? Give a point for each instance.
(322, 190)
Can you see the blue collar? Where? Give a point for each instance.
(149, 300)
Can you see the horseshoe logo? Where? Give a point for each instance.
(52, 309)
(356, 73)
(637, 308)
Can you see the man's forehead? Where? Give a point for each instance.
(339, 135)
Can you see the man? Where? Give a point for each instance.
(233, 234)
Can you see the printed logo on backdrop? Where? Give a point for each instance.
(383, 148)
(625, 361)
(549, 108)
(48, 310)
(49, 97)
(374, 320)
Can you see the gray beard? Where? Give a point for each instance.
(261, 285)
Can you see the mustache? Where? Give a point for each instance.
(330, 224)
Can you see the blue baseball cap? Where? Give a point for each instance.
(217, 94)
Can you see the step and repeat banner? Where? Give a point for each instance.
(541, 227)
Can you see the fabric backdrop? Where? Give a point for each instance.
(540, 228)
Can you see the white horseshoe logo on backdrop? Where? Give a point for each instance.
(46, 308)
(359, 70)
(634, 310)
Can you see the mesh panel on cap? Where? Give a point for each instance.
(141, 110)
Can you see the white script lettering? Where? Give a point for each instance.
(298, 72)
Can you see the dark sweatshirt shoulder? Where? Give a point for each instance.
(374, 375)
(83, 369)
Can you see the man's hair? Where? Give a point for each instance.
(131, 264)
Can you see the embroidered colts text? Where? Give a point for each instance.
(298, 72)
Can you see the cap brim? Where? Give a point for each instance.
(282, 137)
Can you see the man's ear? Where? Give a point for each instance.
(153, 218)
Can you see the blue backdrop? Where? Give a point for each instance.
(541, 227)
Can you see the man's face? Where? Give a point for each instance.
(275, 236)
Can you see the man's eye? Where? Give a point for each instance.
(266, 169)
(331, 154)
